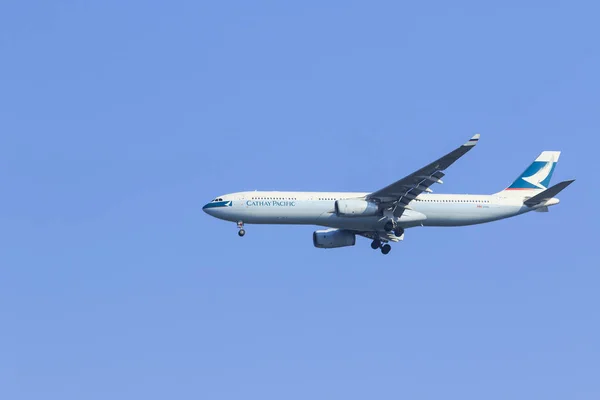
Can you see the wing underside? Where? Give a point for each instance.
(383, 237)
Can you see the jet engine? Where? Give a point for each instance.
(332, 238)
(355, 208)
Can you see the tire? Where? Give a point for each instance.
(389, 226)
(241, 232)
(375, 244)
(386, 248)
(398, 232)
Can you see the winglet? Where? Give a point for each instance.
(473, 140)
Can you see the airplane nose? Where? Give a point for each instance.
(206, 209)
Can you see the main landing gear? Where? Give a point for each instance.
(385, 248)
(389, 227)
(240, 225)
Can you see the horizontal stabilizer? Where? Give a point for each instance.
(547, 194)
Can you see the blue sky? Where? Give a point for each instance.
(119, 120)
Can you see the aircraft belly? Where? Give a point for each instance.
(351, 223)
(410, 218)
(461, 215)
(371, 223)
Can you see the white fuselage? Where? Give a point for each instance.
(318, 208)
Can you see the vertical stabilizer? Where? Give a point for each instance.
(537, 176)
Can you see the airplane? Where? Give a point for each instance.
(383, 215)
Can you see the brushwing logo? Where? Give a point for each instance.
(540, 175)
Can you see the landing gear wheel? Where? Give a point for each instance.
(398, 231)
(240, 225)
(389, 226)
(375, 244)
(386, 248)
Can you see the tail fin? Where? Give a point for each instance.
(537, 176)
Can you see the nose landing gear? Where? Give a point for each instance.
(240, 225)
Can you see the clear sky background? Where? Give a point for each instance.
(119, 120)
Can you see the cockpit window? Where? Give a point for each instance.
(217, 199)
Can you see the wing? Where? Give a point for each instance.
(548, 193)
(380, 235)
(400, 193)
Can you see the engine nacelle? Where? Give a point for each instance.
(355, 208)
(332, 238)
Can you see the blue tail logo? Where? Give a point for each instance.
(539, 173)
